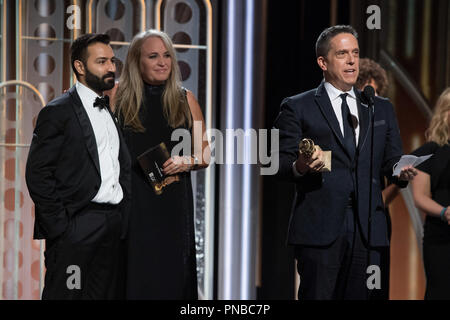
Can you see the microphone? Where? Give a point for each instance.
(369, 94)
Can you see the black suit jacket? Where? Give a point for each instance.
(319, 206)
(63, 171)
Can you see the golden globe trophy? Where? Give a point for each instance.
(306, 147)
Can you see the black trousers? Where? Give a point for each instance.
(339, 271)
(85, 262)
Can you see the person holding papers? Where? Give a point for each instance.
(431, 191)
(334, 243)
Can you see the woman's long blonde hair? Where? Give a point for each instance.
(129, 96)
(438, 129)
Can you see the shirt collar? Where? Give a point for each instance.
(86, 93)
(335, 93)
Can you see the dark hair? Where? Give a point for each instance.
(323, 42)
(78, 49)
(369, 69)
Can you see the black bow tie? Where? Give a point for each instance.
(102, 102)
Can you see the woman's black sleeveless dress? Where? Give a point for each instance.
(161, 262)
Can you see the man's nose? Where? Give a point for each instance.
(351, 59)
(111, 66)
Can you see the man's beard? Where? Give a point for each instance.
(99, 84)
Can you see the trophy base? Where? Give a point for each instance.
(327, 161)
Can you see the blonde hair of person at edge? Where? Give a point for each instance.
(431, 195)
(438, 132)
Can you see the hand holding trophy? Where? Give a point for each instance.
(307, 148)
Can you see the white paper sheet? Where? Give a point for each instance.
(408, 160)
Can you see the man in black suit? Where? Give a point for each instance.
(78, 175)
(329, 220)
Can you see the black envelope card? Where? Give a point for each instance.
(151, 162)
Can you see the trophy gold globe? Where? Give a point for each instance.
(307, 147)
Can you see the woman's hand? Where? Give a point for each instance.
(177, 164)
(447, 215)
(199, 137)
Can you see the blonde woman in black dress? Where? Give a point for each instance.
(151, 104)
(431, 191)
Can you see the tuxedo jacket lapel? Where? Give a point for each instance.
(325, 106)
(85, 123)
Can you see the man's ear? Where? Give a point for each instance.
(321, 61)
(79, 66)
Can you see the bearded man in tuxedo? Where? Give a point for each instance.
(78, 175)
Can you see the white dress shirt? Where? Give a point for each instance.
(108, 144)
(336, 102)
